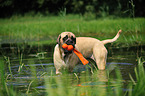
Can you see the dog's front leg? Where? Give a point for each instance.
(58, 61)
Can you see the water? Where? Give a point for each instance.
(23, 64)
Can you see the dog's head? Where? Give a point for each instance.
(66, 37)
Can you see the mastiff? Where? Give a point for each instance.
(89, 47)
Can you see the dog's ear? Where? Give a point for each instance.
(58, 39)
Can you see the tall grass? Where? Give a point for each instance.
(138, 87)
(99, 83)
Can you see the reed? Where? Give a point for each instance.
(138, 86)
(88, 83)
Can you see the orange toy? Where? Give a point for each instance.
(67, 47)
(64, 46)
(70, 47)
(83, 60)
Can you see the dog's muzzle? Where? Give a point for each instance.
(70, 42)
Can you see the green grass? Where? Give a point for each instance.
(138, 87)
(97, 84)
(44, 30)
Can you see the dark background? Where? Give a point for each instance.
(120, 8)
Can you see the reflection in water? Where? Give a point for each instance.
(35, 68)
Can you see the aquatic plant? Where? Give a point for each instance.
(88, 83)
(138, 88)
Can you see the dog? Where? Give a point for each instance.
(89, 47)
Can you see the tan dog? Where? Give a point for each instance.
(89, 47)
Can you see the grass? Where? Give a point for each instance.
(44, 30)
(140, 76)
(97, 84)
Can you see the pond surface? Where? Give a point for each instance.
(23, 64)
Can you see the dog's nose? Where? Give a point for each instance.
(70, 42)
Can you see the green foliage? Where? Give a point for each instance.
(139, 88)
(117, 8)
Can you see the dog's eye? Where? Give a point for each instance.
(74, 39)
(65, 38)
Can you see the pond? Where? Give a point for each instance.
(24, 64)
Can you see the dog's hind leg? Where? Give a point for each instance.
(100, 55)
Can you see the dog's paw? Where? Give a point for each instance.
(58, 73)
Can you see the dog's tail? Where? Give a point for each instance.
(112, 40)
